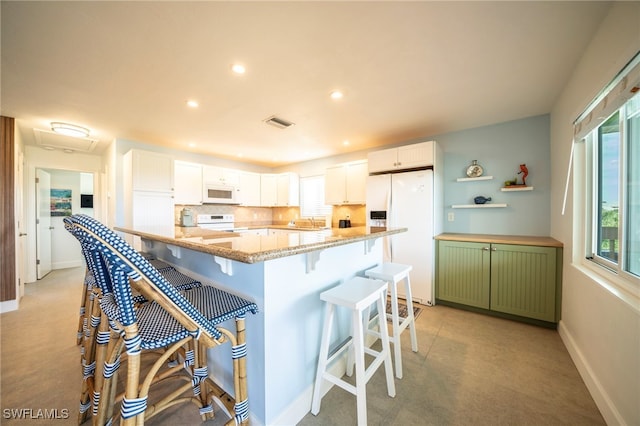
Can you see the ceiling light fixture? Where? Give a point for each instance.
(69, 130)
(336, 94)
(192, 104)
(238, 69)
(346, 143)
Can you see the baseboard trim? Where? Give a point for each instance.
(66, 264)
(8, 306)
(598, 393)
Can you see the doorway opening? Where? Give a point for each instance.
(59, 193)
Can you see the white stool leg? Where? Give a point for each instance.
(412, 320)
(384, 336)
(322, 358)
(361, 380)
(395, 325)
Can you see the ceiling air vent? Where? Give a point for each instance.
(278, 122)
(47, 139)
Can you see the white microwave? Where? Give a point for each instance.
(218, 193)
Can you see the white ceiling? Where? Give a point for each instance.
(407, 69)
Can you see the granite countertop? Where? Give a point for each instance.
(501, 239)
(251, 248)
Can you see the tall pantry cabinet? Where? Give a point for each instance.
(148, 193)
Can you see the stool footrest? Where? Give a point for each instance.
(333, 354)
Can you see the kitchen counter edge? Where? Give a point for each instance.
(524, 240)
(338, 237)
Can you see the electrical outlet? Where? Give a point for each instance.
(451, 217)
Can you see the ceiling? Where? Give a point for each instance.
(125, 70)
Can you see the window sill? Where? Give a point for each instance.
(626, 290)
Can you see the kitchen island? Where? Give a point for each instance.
(284, 275)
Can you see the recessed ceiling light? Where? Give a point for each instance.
(49, 148)
(238, 68)
(240, 155)
(70, 130)
(192, 103)
(346, 143)
(336, 94)
(192, 144)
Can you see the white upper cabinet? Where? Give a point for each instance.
(279, 190)
(346, 183)
(402, 158)
(268, 190)
(188, 183)
(288, 189)
(211, 174)
(148, 171)
(249, 189)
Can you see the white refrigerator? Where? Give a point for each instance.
(411, 201)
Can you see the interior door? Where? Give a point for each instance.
(21, 251)
(43, 223)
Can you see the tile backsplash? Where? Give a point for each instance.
(259, 216)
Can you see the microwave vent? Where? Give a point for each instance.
(278, 122)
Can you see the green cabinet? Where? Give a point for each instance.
(463, 273)
(520, 280)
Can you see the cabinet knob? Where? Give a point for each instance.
(485, 248)
(493, 249)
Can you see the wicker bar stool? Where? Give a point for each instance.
(96, 333)
(357, 295)
(171, 319)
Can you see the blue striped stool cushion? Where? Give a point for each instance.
(179, 280)
(218, 305)
(160, 265)
(156, 327)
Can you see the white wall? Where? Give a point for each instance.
(62, 256)
(36, 157)
(600, 327)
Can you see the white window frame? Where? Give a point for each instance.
(612, 274)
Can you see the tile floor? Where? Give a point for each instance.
(470, 369)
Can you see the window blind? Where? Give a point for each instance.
(623, 86)
(312, 197)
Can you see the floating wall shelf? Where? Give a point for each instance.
(477, 206)
(517, 188)
(476, 178)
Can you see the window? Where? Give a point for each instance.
(312, 197)
(614, 176)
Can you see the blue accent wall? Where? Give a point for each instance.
(499, 149)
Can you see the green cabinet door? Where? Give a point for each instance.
(463, 273)
(523, 281)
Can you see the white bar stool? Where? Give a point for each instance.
(358, 294)
(394, 273)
